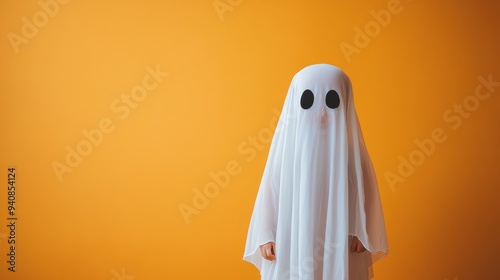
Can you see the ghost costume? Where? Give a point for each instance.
(319, 187)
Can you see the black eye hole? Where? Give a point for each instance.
(307, 99)
(332, 99)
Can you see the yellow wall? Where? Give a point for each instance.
(76, 68)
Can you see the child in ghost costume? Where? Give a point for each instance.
(318, 214)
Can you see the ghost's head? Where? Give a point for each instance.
(319, 95)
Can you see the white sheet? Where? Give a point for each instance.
(318, 188)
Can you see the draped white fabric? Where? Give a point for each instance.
(318, 188)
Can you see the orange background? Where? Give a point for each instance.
(117, 213)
